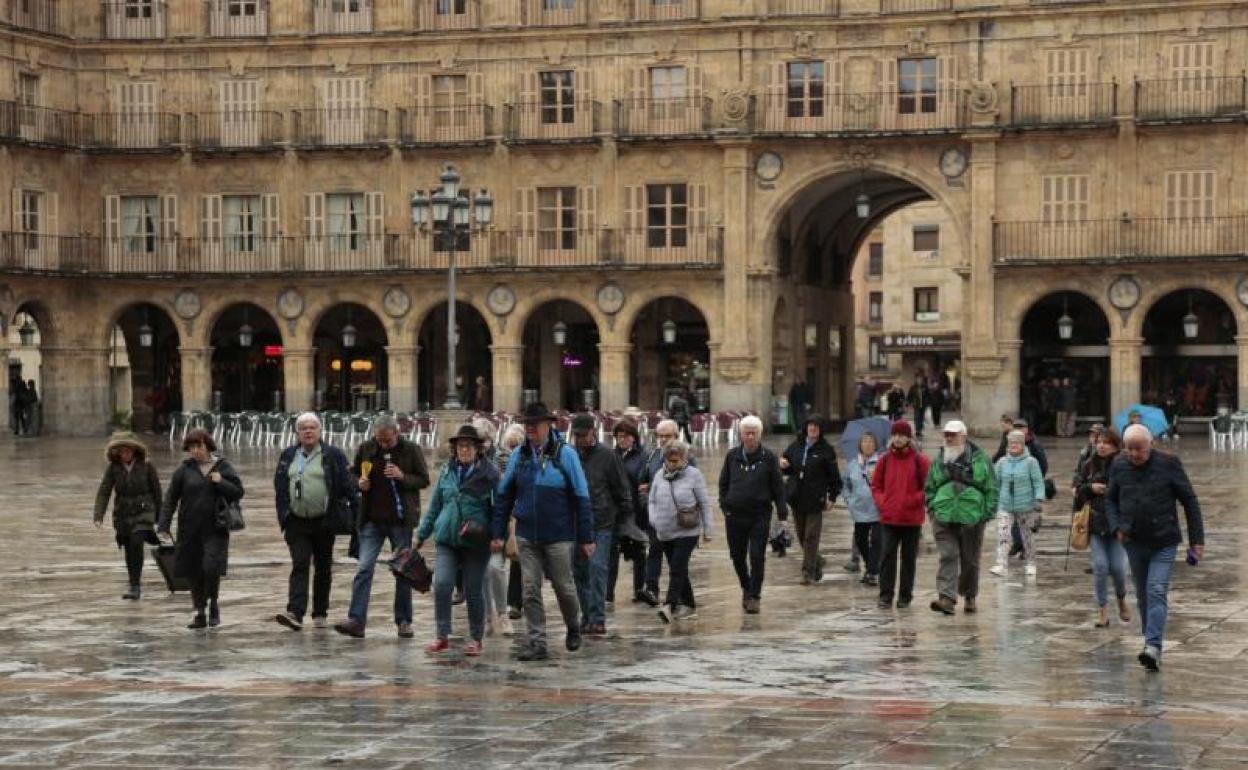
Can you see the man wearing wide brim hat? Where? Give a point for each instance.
(544, 489)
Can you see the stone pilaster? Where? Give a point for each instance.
(507, 361)
(298, 378)
(1124, 372)
(1241, 341)
(196, 378)
(4, 385)
(402, 371)
(613, 368)
(74, 401)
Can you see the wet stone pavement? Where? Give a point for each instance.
(820, 679)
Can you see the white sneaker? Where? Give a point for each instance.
(504, 626)
(1031, 570)
(684, 612)
(998, 570)
(320, 621)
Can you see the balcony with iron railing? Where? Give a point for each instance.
(682, 116)
(1120, 240)
(880, 112)
(135, 19)
(342, 17)
(149, 254)
(1186, 100)
(555, 13)
(237, 130)
(534, 122)
(131, 132)
(42, 126)
(447, 15)
(341, 127)
(665, 10)
(1063, 105)
(803, 7)
(238, 18)
(452, 125)
(914, 6)
(34, 15)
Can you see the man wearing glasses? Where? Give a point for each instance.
(665, 433)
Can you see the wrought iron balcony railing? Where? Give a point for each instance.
(556, 13)
(342, 127)
(914, 6)
(238, 18)
(1188, 99)
(665, 10)
(131, 131)
(40, 125)
(342, 17)
(35, 15)
(885, 112)
(1117, 240)
(534, 122)
(460, 124)
(1063, 105)
(447, 15)
(663, 117)
(234, 130)
(803, 7)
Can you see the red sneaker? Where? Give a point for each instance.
(437, 646)
(472, 649)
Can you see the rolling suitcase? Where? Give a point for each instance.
(163, 554)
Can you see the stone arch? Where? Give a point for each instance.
(45, 320)
(561, 372)
(473, 354)
(641, 298)
(1046, 359)
(210, 315)
(1197, 365)
(155, 372)
(246, 377)
(356, 376)
(527, 306)
(657, 367)
(1033, 294)
(1221, 286)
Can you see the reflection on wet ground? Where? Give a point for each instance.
(820, 678)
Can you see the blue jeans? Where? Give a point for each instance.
(591, 579)
(1109, 558)
(1150, 569)
(371, 538)
(473, 563)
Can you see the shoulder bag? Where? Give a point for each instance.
(229, 514)
(687, 517)
(1080, 534)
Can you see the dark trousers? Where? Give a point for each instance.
(892, 538)
(747, 536)
(809, 527)
(919, 414)
(639, 571)
(678, 553)
(937, 410)
(311, 543)
(867, 542)
(654, 562)
(515, 587)
(134, 556)
(204, 590)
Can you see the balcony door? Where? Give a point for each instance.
(240, 116)
(344, 111)
(136, 120)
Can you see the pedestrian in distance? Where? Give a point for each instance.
(389, 471)
(545, 491)
(1145, 488)
(897, 487)
(680, 511)
(201, 483)
(751, 484)
(1109, 558)
(458, 520)
(1020, 494)
(312, 488)
(861, 504)
(919, 398)
(507, 573)
(134, 486)
(632, 453)
(961, 498)
(813, 479)
(665, 432)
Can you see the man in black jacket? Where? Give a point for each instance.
(750, 483)
(1144, 487)
(632, 454)
(813, 480)
(611, 497)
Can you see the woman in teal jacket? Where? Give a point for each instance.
(1020, 492)
(459, 521)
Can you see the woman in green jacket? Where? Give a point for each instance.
(135, 488)
(459, 521)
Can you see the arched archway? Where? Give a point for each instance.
(1189, 353)
(352, 372)
(147, 368)
(1065, 335)
(473, 359)
(247, 370)
(28, 330)
(670, 355)
(561, 362)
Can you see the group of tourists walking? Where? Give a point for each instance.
(506, 521)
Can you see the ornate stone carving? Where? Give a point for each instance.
(983, 98)
(668, 52)
(804, 43)
(734, 104)
(735, 368)
(916, 41)
(860, 154)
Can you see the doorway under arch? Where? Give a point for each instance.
(1190, 354)
(561, 362)
(352, 372)
(473, 360)
(149, 341)
(247, 372)
(670, 355)
(1065, 337)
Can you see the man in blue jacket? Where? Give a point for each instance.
(1144, 487)
(310, 483)
(544, 489)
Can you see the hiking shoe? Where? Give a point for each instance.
(871, 580)
(531, 653)
(684, 612)
(649, 597)
(290, 620)
(405, 631)
(999, 570)
(199, 621)
(1150, 658)
(514, 613)
(969, 606)
(473, 649)
(573, 640)
(437, 646)
(351, 628)
(665, 614)
(944, 604)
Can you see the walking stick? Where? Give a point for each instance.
(1066, 567)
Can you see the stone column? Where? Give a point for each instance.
(1009, 382)
(196, 378)
(613, 367)
(740, 377)
(507, 362)
(401, 368)
(984, 392)
(4, 382)
(1242, 341)
(74, 401)
(1124, 372)
(298, 379)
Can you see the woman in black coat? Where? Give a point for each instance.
(198, 486)
(813, 479)
(132, 483)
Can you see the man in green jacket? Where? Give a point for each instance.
(961, 498)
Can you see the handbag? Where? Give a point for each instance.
(474, 534)
(687, 517)
(411, 568)
(340, 518)
(229, 515)
(1050, 489)
(1080, 534)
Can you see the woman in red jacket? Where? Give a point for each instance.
(897, 487)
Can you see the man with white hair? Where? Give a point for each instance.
(1144, 487)
(665, 433)
(961, 498)
(312, 487)
(750, 484)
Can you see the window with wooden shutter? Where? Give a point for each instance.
(314, 228)
(450, 102)
(1191, 66)
(1190, 196)
(917, 85)
(210, 228)
(1064, 199)
(240, 113)
(587, 211)
(344, 110)
(634, 235)
(556, 218)
(241, 215)
(1066, 83)
(345, 221)
(271, 216)
(140, 223)
(135, 123)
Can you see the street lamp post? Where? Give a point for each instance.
(451, 218)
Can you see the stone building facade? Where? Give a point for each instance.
(199, 167)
